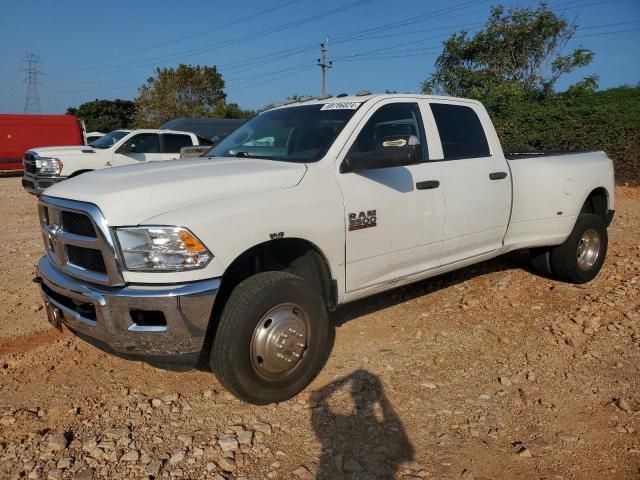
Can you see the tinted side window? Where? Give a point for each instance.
(461, 132)
(144, 143)
(390, 122)
(173, 143)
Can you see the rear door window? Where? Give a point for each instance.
(172, 143)
(461, 132)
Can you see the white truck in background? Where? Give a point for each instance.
(237, 259)
(46, 166)
(92, 137)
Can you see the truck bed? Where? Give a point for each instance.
(549, 189)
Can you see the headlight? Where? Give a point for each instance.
(49, 166)
(163, 249)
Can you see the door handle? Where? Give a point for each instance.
(427, 184)
(497, 175)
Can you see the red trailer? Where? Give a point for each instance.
(19, 133)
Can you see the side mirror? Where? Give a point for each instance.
(394, 152)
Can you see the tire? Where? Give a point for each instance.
(266, 307)
(580, 257)
(540, 259)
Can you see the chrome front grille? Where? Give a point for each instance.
(29, 163)
(77, 223)
(78, 241)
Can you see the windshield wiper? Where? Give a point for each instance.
(243, 155)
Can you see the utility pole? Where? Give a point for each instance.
(32, 102)
(324, 65)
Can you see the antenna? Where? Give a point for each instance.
(32, 102)
(324, 65)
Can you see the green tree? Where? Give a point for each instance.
(233, 110)
(185, 91)
(519, 46)
(105, 115)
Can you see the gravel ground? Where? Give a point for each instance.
(20, 248)
(490, 372)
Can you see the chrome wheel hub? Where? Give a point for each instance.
(279, 340)
(588, 249)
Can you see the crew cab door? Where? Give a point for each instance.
(476, 182)
(393, 214)
(141, 147)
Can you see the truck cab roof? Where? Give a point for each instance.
(365, 97)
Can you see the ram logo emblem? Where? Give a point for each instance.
(358, 221)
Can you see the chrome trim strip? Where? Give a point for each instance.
(141, 328)
(58, 238)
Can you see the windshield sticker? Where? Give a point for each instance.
(341, 106)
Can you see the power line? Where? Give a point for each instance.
(200, 33)
(234, 41)
(262, 82)
(32, 100)
(255, 35)
(367, 34)
(251, 63)
(592, 27)
(607, 33)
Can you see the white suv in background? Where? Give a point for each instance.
(48, 165)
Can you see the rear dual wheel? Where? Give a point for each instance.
(580, 258)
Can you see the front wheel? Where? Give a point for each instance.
(273, 338)
(580, 257)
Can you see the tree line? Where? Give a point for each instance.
(184, 91)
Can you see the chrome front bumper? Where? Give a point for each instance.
(37, 184)
(152, 323)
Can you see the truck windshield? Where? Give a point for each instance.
(108, 140)
(293, 134)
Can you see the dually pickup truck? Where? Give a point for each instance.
(239, 257)
(48, 165)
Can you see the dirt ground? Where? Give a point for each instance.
(489, 372)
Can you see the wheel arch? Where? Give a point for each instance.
(294, 255)
(597, 202)
(80, 172)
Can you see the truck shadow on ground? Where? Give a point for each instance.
(359, 308)
(361, 434)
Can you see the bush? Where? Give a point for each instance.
(578, 119)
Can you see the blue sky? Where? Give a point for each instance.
(95, 50)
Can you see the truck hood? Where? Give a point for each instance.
(62, 151)
(131, 194)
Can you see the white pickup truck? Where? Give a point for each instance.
(48, 165)
(238, 258)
